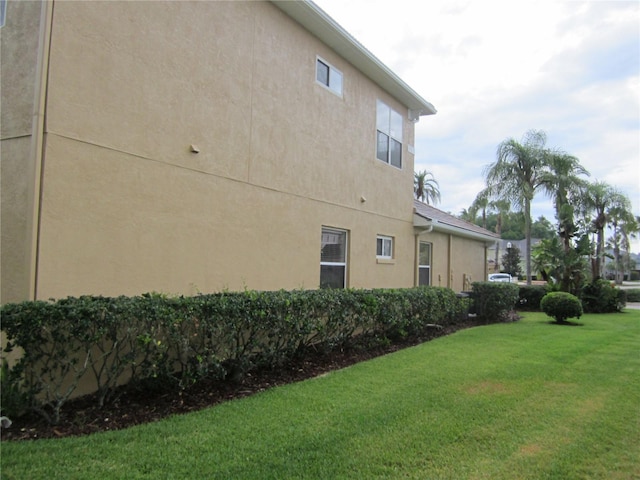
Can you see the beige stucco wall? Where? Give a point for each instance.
(19, 87)
(128, 208)
(455, 259)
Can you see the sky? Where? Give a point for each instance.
(495, 69)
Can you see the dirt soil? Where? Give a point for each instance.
(82, 416)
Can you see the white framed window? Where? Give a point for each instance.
(328, 76)
(424, 264)
(389, 135)
(333, 258)
(384, 247)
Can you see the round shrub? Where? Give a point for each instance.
(561, 305)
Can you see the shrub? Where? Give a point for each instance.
(600, 296)
(173, 342)
(561, 306)
(494, 301)
(529, 297)
(633, 295)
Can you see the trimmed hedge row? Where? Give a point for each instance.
(599, 296)
(175, 341)
(494, 301)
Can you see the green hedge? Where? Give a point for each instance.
(529, 297)
(176, 341)
(494, 301)
(633, 295)
(600, 296)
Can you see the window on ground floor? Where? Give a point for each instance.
(424, 264)
(384, 247)
(333, 258)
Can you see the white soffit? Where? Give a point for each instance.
(315, 20)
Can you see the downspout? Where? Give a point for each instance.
(450, 262)
(34, 192)
(417, 231)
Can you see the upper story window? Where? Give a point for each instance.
(329, 76)
(384, 247)
(389, 132)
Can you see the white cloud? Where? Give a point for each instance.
(496, 69)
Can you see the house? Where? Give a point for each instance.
(188, 147)
(452, 252)
(500, 248)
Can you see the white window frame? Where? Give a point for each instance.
(335, 79)
(329, 231)
(389, 127)
(383, 253)
(426, 267)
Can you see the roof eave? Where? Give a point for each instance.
(420, 222)
(314, 19)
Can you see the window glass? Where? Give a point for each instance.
(425, 253)
(329, 76)
(389, 135)
(382, 120)
(396, 125)
(383, 147)
(335, 81)
(322, 73)
(424, 264)
(384, 247)
(333, 258)
(332, 276)
(395, 155)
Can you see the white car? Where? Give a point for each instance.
(500, 277)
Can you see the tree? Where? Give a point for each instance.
(426, 187)
(563, 184)
(511, 261)
(480, 203)
(622, 221)
(542, 228)
(502, 208)
(604, 202)
(516, 175)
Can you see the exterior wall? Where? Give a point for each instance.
(19, 86)
(128, 208)
(456, 261)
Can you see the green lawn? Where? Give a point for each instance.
(525, 400)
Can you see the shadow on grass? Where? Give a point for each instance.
(566, 323)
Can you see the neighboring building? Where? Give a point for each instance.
(198, 146)
(501, 248)
(452, 252)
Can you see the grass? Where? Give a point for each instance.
(525, 400)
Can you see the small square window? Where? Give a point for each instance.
(328, 76)
(384, 247)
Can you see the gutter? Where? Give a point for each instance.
(423, 225)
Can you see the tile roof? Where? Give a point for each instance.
(438, 217)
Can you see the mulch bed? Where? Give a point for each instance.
(82, 416)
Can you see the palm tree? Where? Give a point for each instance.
(481, 202)
(516, 175)
(605, 202)
(426, 187)
(622, 220)
(502, 207)
(563, 184)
